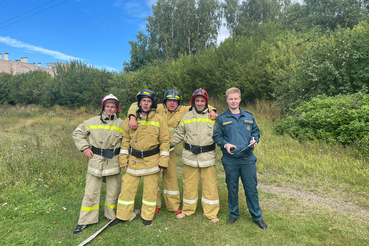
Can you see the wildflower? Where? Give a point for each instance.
(64, 208)
(16, 209)
(302, 115)
(338, 96)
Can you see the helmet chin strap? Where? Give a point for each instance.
(140, 111)
(111, 117)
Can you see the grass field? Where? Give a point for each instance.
(310, 193)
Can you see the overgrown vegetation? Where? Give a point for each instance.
(337, 120)
(278, 51)
(42, 178)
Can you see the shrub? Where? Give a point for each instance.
(339, 119)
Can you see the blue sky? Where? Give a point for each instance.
(96, 32)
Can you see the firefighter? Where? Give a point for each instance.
(99, 138)
(144, 153)
(198, 156)
(172, 111)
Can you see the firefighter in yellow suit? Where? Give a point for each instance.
(198, 156)
(99, 138)
(144, 153)
(172, 111)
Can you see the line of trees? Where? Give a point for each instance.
(278, 50)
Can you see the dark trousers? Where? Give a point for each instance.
(247, 172)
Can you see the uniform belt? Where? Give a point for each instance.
(108, 153)
(143, 154)
(197, 149)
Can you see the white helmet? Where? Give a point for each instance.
(110, 97)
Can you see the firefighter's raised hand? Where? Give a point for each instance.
(213, 115)
(132, 122)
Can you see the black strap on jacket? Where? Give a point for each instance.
(108, 153)
(143, 154)
(197, 149)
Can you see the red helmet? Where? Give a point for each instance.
(200, 92)
(110, 97)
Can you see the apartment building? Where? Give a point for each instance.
(22, 65)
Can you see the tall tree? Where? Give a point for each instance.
(231, 9)
(326, 14)
(244, 17)
(176, 27)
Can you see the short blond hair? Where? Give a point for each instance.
(233, 90)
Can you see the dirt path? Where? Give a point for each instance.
(343, 207)
(312, 199)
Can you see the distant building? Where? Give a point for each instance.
(22, 66)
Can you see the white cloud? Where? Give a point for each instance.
(110, 69)
(135, 8)
(55, 54)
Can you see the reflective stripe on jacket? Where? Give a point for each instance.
(196, 129)
(151, 133)
(108, 135)
(171, 118)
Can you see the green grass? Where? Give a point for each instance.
(310, 193)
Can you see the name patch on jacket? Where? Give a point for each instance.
(226, 123)
(249, 121)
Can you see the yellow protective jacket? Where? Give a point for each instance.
(196, 129)
(171, 118)
(108, 135)
(151, 133)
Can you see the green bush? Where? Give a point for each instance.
(5, 81)
(339, 119)
(29, 88)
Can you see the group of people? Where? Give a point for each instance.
(143, 146)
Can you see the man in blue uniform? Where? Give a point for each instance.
(237, 134)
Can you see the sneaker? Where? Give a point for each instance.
(177, 212)
(261, 224)
(79, 228)
(231, 220)
(115, 222)
(147, 222)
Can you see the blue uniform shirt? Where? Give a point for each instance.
(239, 132)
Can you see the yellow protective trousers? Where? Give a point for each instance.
(171, 189)
(90, 204)
(210, 198)
(126, 200)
